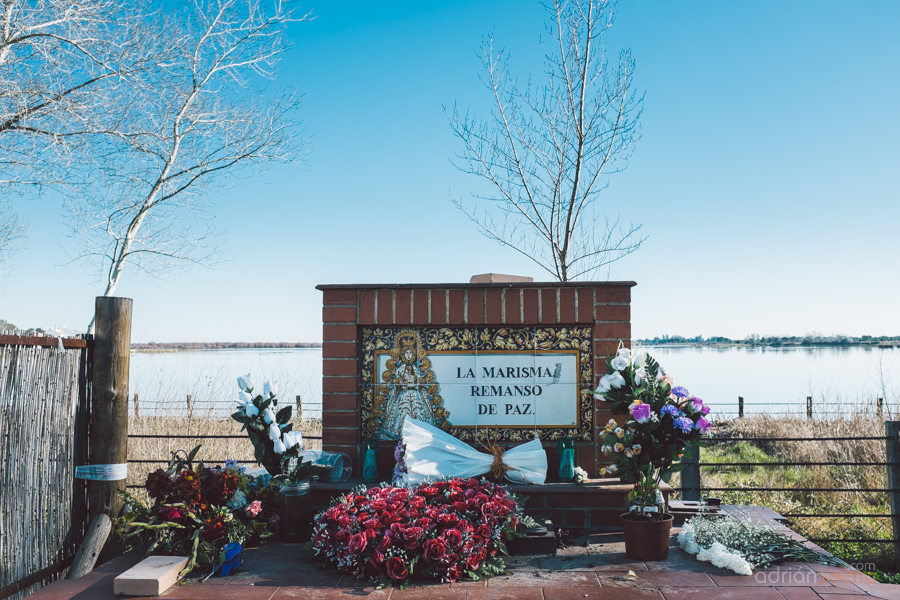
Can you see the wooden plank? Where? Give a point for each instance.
(150, 577)
(45, 342)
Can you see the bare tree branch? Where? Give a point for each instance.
(547, 150)
(203, 109)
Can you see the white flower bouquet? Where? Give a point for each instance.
(742, 546)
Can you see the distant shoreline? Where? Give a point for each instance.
(769, 344)
(174, 346)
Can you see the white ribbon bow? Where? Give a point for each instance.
(434, 454)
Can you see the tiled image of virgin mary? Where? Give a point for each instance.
(408, 388)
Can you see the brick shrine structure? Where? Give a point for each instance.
(604, 307)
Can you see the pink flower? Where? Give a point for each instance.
(702, 425)
(640, 412)
(253, 508)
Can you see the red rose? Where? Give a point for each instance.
(472, 483)
(417, 502)
(453, 538)
(411, 537)
(433, 550)
(457, 496)
(447, 520)
(379, 505)
(169, 513)
(429, 491)
(371, 523)
(460, 507)
(473, 563)
(483, 531)
(357, 543)
(425, 523)
(396, 568)
(342, 536)
(452, 574)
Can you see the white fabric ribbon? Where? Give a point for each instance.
(433, 454)
(102, 472)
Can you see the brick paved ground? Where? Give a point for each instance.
(593, 567)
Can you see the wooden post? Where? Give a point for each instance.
(108, 440)
(137, 407)
(740, 407)
(299, 408)
(880, 407)
(89, 551)
(809, 407)
(892, 444)
(190, 405)
(690, 476)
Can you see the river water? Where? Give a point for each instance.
(773, 380)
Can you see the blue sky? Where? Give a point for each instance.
(767, 176)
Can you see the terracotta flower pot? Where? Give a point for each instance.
(646, 540)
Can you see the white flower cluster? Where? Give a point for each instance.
(580, 475)
(281, 441)
(716, 553)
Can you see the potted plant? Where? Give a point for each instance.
(647, 447)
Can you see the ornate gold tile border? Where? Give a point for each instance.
(419, 341)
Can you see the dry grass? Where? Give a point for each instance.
(795, 478)
(212, 451)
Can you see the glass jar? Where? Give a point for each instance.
(340, 467)
(295, 512)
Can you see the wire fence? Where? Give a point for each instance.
(693, 488)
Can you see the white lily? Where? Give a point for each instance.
(269, 415)
(292, 438)
(638, 358)
(616, 380)
(624, 352)
(619, 363)
(639, 375)
(244, 382)
(603, 386)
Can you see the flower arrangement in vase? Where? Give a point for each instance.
(275, 444)
(661, 421)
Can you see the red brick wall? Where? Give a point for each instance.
(345, 309)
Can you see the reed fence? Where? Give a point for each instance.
(44, 416)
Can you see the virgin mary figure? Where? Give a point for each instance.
(408, 387)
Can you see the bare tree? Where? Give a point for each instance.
(61, 63)
(546, 151)
(12, 232)
(198, 114)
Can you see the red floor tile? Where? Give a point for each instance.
(658, 579)
(505, 593)
(733, 593)
(798, 593)
(429, 593)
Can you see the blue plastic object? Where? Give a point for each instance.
(233, 559)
